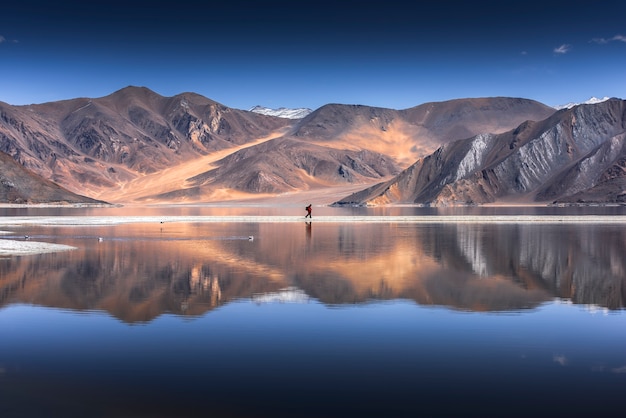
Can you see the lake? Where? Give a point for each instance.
(252, 312)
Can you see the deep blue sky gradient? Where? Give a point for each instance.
(306, 54)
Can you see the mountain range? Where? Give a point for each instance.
(135, 146)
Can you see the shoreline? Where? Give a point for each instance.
(281, 201)
(12, 247)
(69, 221)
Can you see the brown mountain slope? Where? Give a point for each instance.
(135, 145)
(91, 145)
(406, 135)
(269, 168)
(573, 151)
(20, 186)
(172, 184)
(340, 146)
(285, 164)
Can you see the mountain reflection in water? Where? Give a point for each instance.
(138, 272)
(314, 319)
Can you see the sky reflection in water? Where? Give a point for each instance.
(315, 320)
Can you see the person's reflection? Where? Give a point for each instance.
(308, 230)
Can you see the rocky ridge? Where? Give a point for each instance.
(576, 155)
(89, 145)
(137, 146)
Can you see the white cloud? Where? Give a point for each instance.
(602, 41)
(2, 39)
(563, 49)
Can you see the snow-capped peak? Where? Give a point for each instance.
(282, 112)
(593, 100)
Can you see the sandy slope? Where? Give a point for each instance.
(174, 178)
(138, 190)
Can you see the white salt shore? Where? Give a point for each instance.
(11, 247)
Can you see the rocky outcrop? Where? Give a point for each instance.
(576, 151)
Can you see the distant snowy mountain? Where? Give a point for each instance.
(593, 100)
(282, 112)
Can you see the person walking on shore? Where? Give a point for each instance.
(308, 211)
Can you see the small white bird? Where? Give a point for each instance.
(100, 239)
(250, 238)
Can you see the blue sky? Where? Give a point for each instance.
(306, 54)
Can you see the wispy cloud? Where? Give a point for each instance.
(5, 40)
(619, 369)
(560, 359)
(563, 49)
(616, 38)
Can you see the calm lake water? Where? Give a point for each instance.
(319, 319)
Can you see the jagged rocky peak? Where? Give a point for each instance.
(573, 151)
